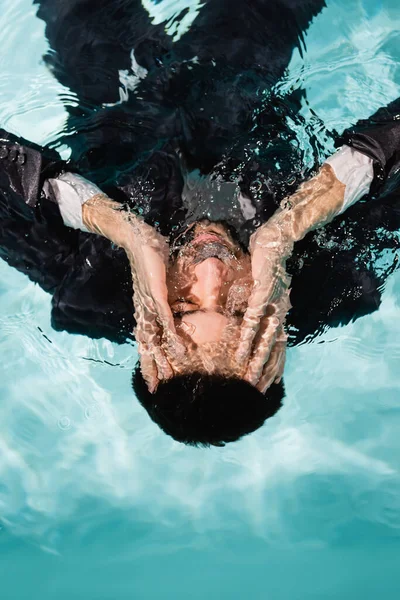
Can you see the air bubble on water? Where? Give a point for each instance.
(64, 423)
(93, 411)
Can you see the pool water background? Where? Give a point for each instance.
(96, 503)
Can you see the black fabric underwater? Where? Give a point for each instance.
(205, 103)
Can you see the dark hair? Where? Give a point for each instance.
(204, 410)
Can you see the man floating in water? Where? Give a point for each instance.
(187, 181)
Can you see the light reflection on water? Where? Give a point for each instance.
(83, 471)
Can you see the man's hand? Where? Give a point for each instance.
(269, 301)
(147, 251)
(316, 203)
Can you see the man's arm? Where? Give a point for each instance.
(315, 204)
(343, 179)
(26, 165)
(147, 251)
(32, 237)
(83, 205)
(378, 137)
(368, 159)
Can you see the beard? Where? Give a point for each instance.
(194, 254)
(183, 238)
(191, 255)
(213, 250)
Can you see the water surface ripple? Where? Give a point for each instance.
(95, 502)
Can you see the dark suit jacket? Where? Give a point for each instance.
(206, 103)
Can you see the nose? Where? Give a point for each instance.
(210, 276)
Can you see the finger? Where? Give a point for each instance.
(155, 299)
(155, 363)
(161, 325)
(147, 330)
(148, 368)
(165, 317)
(273, 370)
(248, 331)
(149, 335)
(263, 350)
(262, 296)
(273, 331)
(153, 355)
(164, 369)
(174, 346)
(280, 366)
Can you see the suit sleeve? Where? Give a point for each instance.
(33, 238)
(345, 271)
(25, 166)
(88, 278)
(379, 138)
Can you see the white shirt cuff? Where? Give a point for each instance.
(355, 170)
(71, 191)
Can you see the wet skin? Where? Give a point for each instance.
(209, 283)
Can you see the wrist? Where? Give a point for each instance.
(102, 216)
(275, 237)
(316, 203)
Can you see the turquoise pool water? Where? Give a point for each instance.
(97, 504)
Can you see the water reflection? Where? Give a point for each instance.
(72, 433)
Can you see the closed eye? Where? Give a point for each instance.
(180, 314)
(182, 307)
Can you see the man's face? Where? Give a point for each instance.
(209, 282)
